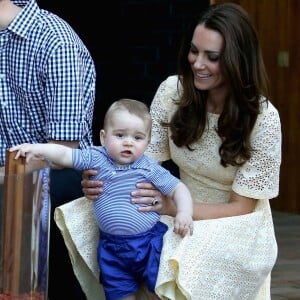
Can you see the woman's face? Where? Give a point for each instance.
(204, 58)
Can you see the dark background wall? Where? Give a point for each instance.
(134, 44)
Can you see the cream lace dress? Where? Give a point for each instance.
(226, 258)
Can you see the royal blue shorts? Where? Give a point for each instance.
(126, 261)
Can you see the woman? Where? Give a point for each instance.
(214, 120)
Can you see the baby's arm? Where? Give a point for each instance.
(183, 222)
(58, 154)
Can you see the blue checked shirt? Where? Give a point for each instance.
(47, 81)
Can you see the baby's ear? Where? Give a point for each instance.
(102, 135)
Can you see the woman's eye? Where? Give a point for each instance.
(213, 57)
(193, 50)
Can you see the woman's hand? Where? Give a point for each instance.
(91, 189)
(146, 193)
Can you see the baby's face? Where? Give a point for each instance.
(125, 138)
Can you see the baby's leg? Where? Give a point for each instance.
(149, 296)
(130, 297)
(153, 296)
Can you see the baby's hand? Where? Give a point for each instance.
(27, 150)
(183, 224)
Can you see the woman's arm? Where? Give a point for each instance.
(237, 205)
(145, 192)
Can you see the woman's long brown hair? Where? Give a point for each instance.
(244, 71)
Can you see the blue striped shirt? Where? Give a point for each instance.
(114, 212)
(47, 81)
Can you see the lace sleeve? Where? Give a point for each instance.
(162, 108)
(259, 177)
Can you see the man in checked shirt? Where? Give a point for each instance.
(47, 93)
